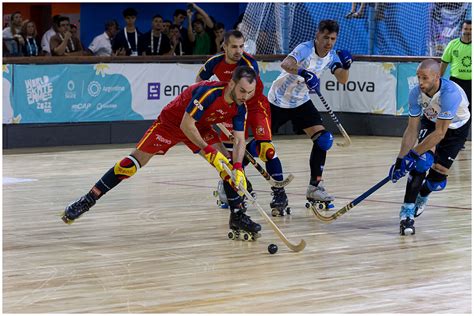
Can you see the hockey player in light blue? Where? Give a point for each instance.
(442, 108)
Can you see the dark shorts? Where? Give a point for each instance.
(304, 116)
(449, 147)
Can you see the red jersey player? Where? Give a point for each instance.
(221, 66)
(189, 119)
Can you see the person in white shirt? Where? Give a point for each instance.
(47, 36)
(289, 97)
(102, 44)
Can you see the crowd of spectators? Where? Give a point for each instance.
(201, 35)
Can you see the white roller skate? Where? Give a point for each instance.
(318, 197)
(221, 196)
(407, 219)
(420, 204)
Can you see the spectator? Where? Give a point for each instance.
(356, 14)
(73, 28)
(219, 31)
(12, 40)
(198, 37)
(155, 42)
(45, 40)
(102, 44)
(128, 40)
(178, 18)
(208, 22)
(177, 46)
(166, 27)
(29, 34)
(63, 43)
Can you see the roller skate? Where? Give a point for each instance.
(407, 219)
(221, 196)
(74, 210)
(242, 227)
(279, 203)
(420, 204)
(318, 197)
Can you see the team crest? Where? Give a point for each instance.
(259, 130)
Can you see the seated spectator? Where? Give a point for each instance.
(102, 44)
(166, 27)
(179, 16)
(12, 40)
(127, 41)
(198, 37)
(177, 46)
(45, 40)
(29, 34)
(155, 42)
(219, 31)
(63, 43)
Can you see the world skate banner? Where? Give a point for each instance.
(91, 93)
(371, 88)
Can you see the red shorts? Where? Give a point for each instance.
(258, 120)
(161, 136)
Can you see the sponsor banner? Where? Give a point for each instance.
(70, 93)
(8, 117)
(407, 80)
(371, 88)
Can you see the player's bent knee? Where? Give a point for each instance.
(324, 140)
(266, 150)
(126, 167)
(425, 161)
(436, 181)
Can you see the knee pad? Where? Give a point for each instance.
(126, 167)
(265, 150)
(436, 181)
(425, 161)
(324, 140)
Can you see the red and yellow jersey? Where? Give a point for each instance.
(216, 65)
(204, 101)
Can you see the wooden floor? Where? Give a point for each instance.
(157, 243)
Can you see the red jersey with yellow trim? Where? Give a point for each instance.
(204, 101)
(216, 65)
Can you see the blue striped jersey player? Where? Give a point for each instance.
(442, 108)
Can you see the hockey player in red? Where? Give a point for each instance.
(188, 119)
(221, 67)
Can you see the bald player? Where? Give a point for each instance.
(441, 106)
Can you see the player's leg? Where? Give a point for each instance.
(260, 122)
(307, 118)
(125, 168)
(242, 227)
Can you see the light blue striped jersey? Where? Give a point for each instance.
(448, 103)
(290, 91)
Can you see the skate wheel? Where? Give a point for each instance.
(307, 205)
(275, 212)
(231, 235)
(246, 237)
(215, 193)
(65, 219)
(321, 206)
(218, 203)
(288, 210)
(254, 195)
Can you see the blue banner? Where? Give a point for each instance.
(71, 93)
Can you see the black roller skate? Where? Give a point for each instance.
(318, 197)
(242, 227)
(407, 219)
(74, 210)
(279, 203)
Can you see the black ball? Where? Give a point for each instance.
(272, 248)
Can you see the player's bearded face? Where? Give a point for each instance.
(466, 31)
(234, 48)
(427, 79)
(242, 91)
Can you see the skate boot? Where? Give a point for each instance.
(221, 196)
(420, 204)
(242, 227)
(279, 203)
(407, 219)
(77, 208)
(318, 197)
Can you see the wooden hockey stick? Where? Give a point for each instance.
(260, 169)
(347, 140)
(299, 247)
(345, 209)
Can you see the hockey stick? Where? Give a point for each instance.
(347, 140)
(263, 172)
(357, 200)
(299, 247)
